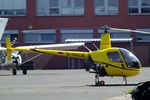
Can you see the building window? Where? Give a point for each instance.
(13, 34)
(12, 7)
(39, 36)
(143, 37)
(139, 7)
(60, 7)
(116, 34)
(106, 7)
(76, 34)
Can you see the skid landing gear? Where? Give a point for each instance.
(98, 82)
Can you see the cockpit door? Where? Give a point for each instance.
(117, 63)
(116, 59)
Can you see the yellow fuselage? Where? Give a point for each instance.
(110, 61)
(112, 68)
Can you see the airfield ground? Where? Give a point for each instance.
(63, 85)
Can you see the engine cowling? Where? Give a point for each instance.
(88, 64)
(16, 59)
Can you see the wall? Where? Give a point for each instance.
(123, 20)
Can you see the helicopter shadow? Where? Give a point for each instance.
(112, 85)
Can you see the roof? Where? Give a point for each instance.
(96, 39)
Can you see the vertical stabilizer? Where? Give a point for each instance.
(9, 48)
(3, 22)
(105, 40)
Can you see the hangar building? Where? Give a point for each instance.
(58, 20)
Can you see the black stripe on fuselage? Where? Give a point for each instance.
(135, 69)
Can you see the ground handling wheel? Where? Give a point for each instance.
(14, 72)
(24, 71)
(100, 83)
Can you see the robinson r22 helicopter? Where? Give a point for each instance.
(106, 61)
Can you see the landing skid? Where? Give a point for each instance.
(102, 83)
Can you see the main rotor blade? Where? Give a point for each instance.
(128, 30)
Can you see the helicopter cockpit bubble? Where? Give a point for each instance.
(130, 59)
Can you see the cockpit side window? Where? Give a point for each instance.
(114, 57)
(130, 59)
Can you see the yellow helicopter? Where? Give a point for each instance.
(106, 61)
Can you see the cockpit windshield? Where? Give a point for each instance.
(130, 59)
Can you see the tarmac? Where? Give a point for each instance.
(65, 85)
